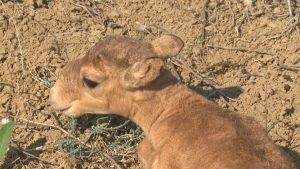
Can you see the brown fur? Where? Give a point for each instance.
(184, 130)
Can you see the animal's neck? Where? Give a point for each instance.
(160, 107)
(157, 102)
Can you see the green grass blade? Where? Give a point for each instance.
(5, 133)
(47, 81)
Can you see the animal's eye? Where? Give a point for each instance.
(89, 83)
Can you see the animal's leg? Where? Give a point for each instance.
(147, 154)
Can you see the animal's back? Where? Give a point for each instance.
(200, 134)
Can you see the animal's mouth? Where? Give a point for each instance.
(61, 109)
(65, 109)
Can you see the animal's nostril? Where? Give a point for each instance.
(89, 83)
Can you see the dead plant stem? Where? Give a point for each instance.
(158, 27)
(289, 67)
(290, 9)
(204, 22)
(215, 90)
(241, 49)
(33, 156)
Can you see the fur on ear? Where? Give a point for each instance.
(167, 46)
(142, 73)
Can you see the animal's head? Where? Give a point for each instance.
(110, 70)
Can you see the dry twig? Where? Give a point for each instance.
(296, 61)
(289, 67)
(195, 73)
(233, 16)
(72, 43)
(144, 28)
(174, 71)
(33, 156)
(158, 27)
(215, 90)
(285, 29)
(204, 22)
(257, 74)
(87, 9)
(290, 9)
(241, 49)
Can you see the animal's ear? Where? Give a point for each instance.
(167, 46)
(142, 73)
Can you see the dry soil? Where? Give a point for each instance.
(250, 54)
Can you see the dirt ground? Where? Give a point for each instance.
(250, 54)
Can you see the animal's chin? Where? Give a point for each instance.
(75, 111)
(72, 111)
(65, 109)
(60, 108)
(68, 112)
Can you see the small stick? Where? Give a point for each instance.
(87, 8)
(102, 2)
(241, 49)
(239, 21)
(208, 83)
(72, 43)
(29, 122)
(144, 28)
(41, 126)
(201, 58)
(16, 166)
(30, 105)
(233, 16)
(37, 78)
(266, 106)
(20, 47)
(290, 9)
(204, 22)
(214, 12)
(289, 67)
(158, 27)
(256, 74)
(33, 156)
(285, 28)
(226, 102)
(112, 160)
(196, 74)
(295, 61)
(84, 7)
(174, 71)
(214, 65)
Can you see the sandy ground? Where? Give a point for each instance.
(250, 54)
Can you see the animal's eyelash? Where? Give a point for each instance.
(89, 83)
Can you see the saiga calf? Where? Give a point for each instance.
(184, 130)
